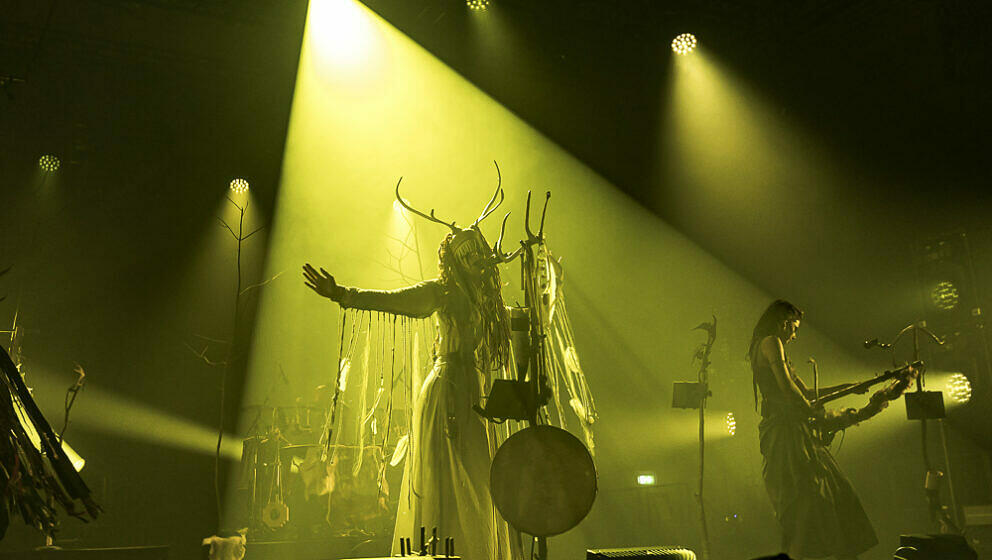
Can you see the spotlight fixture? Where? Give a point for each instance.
(478, 5)
(944, 296)
(684, 43)
(731, 423)
(959, 387)
(49, 163)
(239, 186)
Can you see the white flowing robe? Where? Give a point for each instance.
(446, 478)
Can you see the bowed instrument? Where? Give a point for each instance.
(826, 424)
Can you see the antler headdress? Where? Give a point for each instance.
(491, 206)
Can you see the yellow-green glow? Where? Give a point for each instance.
(239, 186)
(342, 36)
(49, 163)
(730, 156)
(478, 5)
(635, 286)
(100, 410)
(103, 411)
(944, 296)
(684, 43)
(77, 461)
(955, 385)
(731, 423)
(646, 479)
(959, 388)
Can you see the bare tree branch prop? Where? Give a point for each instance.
(209, 339)
(202, 354)
(223, 223)
(70, 398)
(236, 205)
(260, 228)
(261, 284)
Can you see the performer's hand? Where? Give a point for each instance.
(837, 415)
(321, 282)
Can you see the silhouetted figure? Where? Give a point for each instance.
(817, 508)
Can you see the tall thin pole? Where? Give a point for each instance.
(227, 365)
(702, 462)
(703, 353)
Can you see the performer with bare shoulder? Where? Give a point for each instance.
(817, 508)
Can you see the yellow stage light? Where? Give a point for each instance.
(239, 186)
(944, 296)
(478, 5)
(684, 43)
(959, 388)
(49, 163)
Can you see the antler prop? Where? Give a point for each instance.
(493, 204)
(498, 248)
(544, 213)
(430, 217)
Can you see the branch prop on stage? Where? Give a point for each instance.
(415, 363)
(35, 476)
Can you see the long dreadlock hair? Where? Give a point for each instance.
(778, 312)
(476, 305)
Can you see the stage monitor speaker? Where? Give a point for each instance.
(126, 553)
(642, 553)
(934, 547)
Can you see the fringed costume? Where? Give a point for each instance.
(463, 345)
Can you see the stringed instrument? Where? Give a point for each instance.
(827, 423)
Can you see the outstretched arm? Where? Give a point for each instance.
(419, 300)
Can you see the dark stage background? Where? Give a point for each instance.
(119, 263)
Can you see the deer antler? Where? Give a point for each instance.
(544, 213)
(492, 205)
(430, 217)
(502, 257)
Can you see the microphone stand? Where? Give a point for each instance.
(703, 355)
(933, 476)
